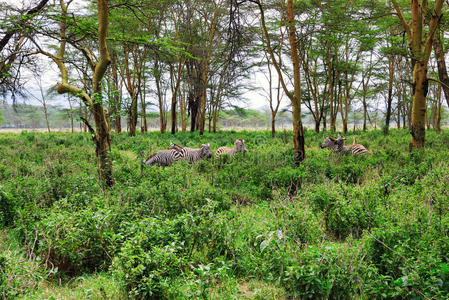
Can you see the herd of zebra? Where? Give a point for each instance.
(176, 152)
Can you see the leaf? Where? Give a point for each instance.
(264, 244)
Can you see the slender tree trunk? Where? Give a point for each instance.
(442, 70)
(438, 112)
(160, 98)
(331, 92)
(364, 112)
(71, 112)
(390, 93)
(398, 118)
(182, 111)
(325, 121)
(144, 111)
(46, 115)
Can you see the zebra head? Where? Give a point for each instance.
(329, 142)
(240, 145)
(340, 140)
(205, 150)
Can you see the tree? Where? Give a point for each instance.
(295, 96)
(44, 96)
(101, 134)
(420, 44)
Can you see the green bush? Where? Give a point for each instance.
(375, 226)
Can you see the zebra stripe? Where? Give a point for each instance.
(337, 145)
(192, 155)
(163, 158)
(239, 146)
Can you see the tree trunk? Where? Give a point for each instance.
(298, 131)
(173, 114)
(438, 112)
(182, 111)
(420, 43)
(202, 110)
(71, 113)
(364, 112)
(46, 116)
(325, 121)
(144, 112)
(160, 99)
(442, 70)
(398, 118)
(421, 84)
(390, 93)
(133, 116)
(103, 134)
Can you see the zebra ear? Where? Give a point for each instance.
(208, 144)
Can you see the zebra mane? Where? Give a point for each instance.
(173, 144)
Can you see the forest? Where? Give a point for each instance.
(224, 149)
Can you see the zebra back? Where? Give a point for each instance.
(192, 155)
(358, 149)
(222, 150)
(163, 158)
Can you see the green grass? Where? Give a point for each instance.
(256, 226)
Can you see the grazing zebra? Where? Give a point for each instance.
(192, 155)
(337, 145)
(239, 146)
(163, 158)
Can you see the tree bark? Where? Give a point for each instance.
(420, 44)
(438, 112)
(298, 131)
(419, 108)
(390, 93)
(441, 63)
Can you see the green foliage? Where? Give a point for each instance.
(375, 226)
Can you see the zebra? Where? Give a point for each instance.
(192, 155)
(163, 158)
(337, 145)
(239, 146)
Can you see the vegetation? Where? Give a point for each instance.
(284, 220)
(374, 226)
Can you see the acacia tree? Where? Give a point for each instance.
(442, 70)
(295, 96)
(420, 43)
(101, 133)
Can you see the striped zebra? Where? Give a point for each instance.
(337, 145)
(239, 146)
(192, 155)
(163, 158)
